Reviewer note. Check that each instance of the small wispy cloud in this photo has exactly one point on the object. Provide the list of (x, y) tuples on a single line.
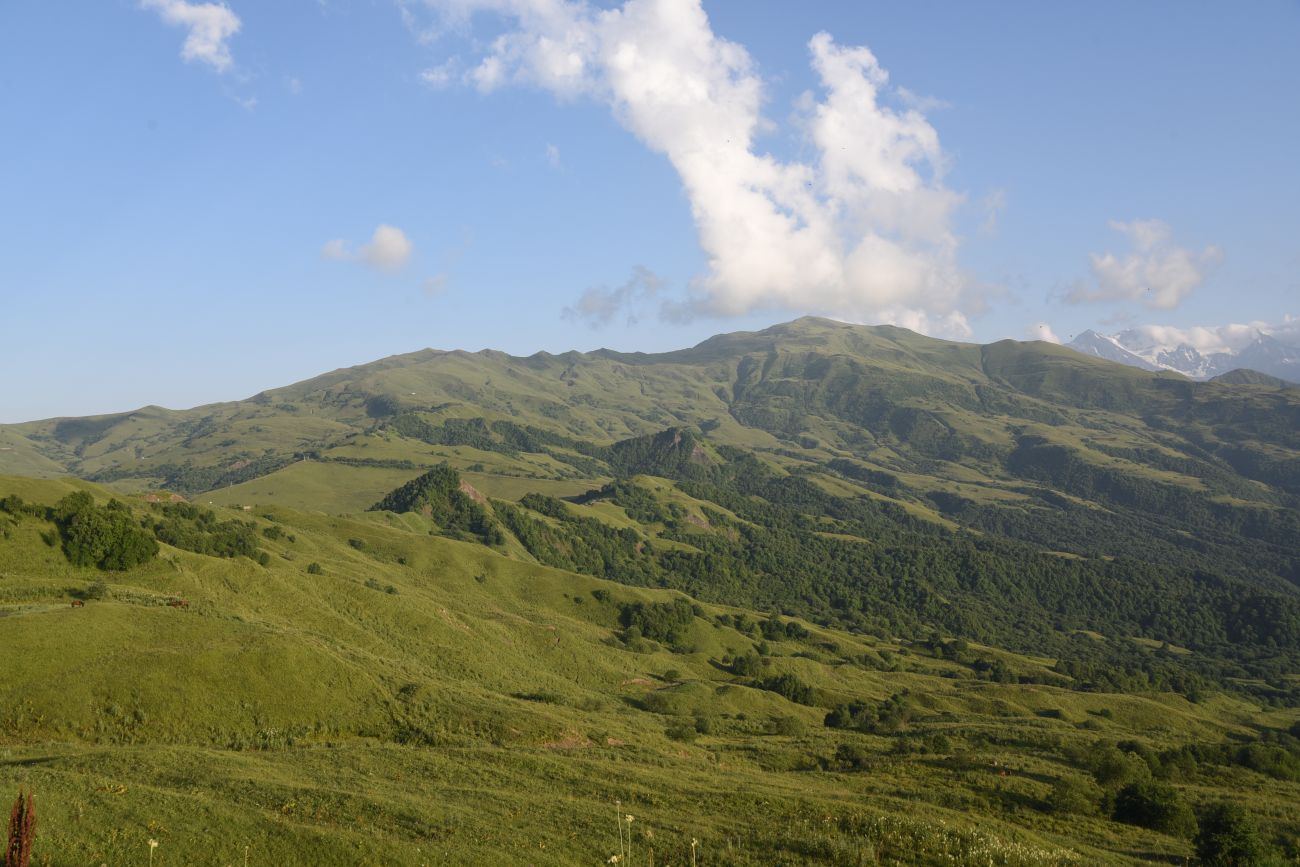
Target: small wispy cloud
[(442, 75), (435, 285), (1156, 273), (388, 250), (209, 27), (599, 305), (553, 157), (993, 205)]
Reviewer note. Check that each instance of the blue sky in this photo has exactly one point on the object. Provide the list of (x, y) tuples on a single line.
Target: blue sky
[(199, 201)]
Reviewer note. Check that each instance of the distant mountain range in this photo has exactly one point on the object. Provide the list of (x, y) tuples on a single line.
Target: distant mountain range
[(1266, 353)]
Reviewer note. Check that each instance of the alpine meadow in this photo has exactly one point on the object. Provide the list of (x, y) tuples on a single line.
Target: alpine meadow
[(820, 594), (849, 434)]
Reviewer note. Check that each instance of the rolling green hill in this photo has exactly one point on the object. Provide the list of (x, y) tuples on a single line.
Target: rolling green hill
[(818, 594)]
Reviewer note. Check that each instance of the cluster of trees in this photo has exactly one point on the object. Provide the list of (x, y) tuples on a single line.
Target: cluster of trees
[(112, 537), (183, 525), (789, 686), (190, 479), (859, 564), (1197, 589), (665, 622), (640, 504), (437, 495), (580, 544), (885, 717), (108, 537), (1129, 783)]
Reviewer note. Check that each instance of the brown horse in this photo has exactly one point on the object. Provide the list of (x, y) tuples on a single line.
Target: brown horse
[(77, 603)]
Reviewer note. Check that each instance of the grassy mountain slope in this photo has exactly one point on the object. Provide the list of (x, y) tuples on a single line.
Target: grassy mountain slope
[(372, 694), (974, 559)]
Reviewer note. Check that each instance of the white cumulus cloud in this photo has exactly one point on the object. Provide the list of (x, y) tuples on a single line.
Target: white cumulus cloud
[(388, 249), (862, 231), (1157, 273), (209, 26)]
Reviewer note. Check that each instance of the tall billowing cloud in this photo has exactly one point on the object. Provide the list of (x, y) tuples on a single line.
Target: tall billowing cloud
[(1157, 273), (862, 231), (388, 250), (210, 25)]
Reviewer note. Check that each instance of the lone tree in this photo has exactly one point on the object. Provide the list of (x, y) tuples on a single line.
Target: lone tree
[(1229, 838), (22, 831)]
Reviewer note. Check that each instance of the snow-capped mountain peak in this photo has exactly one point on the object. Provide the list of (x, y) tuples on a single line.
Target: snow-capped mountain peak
[(1160, 348)]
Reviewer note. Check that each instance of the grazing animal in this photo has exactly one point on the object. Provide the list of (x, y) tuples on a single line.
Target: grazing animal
[(77, 603)]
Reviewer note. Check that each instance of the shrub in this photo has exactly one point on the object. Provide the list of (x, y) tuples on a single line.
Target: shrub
[(852, 757), (789, 686), (788, 726), (97, 590), (682, 731), (1156, 806), (1113, 768), (747, 665), (1073, 795), (314, 569), (1228, 838)]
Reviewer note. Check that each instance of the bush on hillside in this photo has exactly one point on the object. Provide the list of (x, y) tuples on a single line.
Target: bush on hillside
[(1228, 838), (788, 686), (1157, 806), (1074, 795)]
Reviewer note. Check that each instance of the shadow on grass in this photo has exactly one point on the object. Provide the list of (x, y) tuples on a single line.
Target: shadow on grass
[(29, 762)]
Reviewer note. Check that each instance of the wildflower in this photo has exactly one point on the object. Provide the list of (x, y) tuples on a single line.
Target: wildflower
[(153, 844)]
